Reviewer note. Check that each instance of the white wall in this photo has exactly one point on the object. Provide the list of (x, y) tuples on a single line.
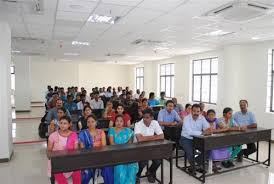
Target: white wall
[(45, 72), (22, 83), (242, 75), (5, 92), (94, 74)]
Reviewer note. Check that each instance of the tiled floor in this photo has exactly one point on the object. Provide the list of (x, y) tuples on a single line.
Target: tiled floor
[(29, 164)]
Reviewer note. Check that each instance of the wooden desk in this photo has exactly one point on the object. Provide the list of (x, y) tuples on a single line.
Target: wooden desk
[(66, 161), (215, 141)]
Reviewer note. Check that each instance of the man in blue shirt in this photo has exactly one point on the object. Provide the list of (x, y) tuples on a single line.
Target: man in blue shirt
[(246, 119), (70, 105), (194, 124), (170, 121)]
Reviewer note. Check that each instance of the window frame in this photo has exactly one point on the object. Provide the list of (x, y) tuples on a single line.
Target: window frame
[(170, 76), (272, 86), (137, 77), (201, 74)]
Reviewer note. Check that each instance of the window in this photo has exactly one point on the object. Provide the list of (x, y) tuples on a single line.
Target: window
[(12, 72), (204, 80), (167, 79), (139, 78), (270, 83)]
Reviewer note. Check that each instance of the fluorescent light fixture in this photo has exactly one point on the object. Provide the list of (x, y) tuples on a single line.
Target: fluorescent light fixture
[(218, 33), (255, 38), (103, 19), (80, 43), (71, 54), (15, 51)]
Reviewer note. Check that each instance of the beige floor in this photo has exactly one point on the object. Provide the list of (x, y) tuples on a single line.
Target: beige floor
[(29, 164)]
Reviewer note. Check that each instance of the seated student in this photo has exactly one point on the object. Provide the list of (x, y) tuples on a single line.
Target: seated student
[(108, 93), (128, 101), (123, 174), (77, 98), (64, 139), (152, 101), (194, 124), (109, 113), (227, 122), (148, 130), (221, 154), (82, 123), (53, 114), (136, 95), (186, 112), (247, 119), (162, 100), (177, 107), (80, 105), (120, 111), (52, 101), (203, 112), (93, 137), (97, 103), (55, 123), (70, 105), (143, 106)]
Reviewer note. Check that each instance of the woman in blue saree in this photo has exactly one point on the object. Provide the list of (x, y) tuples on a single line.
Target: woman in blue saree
[(89, 138), (123, 174)]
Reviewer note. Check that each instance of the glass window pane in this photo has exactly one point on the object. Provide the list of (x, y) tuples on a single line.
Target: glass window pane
[(141, 71), (137, 83), (12, 69), (168, 85), (172, 86), (214, 88), (196, 88), (13, 81), (137, 72), (168, 69), (197, 67), (162, 84), (214, 65), (172, 69), (205, 88), (206, 66), (142, 84), (162, 69)]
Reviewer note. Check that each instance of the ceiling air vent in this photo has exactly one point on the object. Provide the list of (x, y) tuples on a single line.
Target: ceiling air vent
[(240, 11)]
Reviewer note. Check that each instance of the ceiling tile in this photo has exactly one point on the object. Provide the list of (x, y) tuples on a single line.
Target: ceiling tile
[(72, 16), (76, 6), (123, 2), (111, 10)]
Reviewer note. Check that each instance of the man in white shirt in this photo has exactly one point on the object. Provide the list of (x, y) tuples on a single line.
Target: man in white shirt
[(137, 95), (80, 105), (97, 103), (148, 130)]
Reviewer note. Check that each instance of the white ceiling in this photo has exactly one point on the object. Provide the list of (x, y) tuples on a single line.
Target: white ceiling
[(178, 25)]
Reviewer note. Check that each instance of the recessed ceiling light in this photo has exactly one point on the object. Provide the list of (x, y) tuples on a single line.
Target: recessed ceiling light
[(218, 33), (103, 19), (80, 43), (15, 51), (71, 54), (255, 38)]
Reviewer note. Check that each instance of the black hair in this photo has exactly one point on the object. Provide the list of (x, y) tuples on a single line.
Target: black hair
[(151, 94), (96, 93), (196, 106), (243, 100), (187, 105), (162, 93), (92, 116), (69, 96), (148, 111), (119, 116), (62, 109), (66, 118), (82, 95), (226, 110), (210, 111), (87, 106), (169, 101), (144, 99)]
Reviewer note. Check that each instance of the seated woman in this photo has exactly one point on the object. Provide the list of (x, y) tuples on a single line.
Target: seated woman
[(126, 118), (123, 174), (186, 112), (143, 106), (82, 123), (152, 101), (218, 154), (54, 124), (109, 113), (227, 123), (64, 139), (93, 137)]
